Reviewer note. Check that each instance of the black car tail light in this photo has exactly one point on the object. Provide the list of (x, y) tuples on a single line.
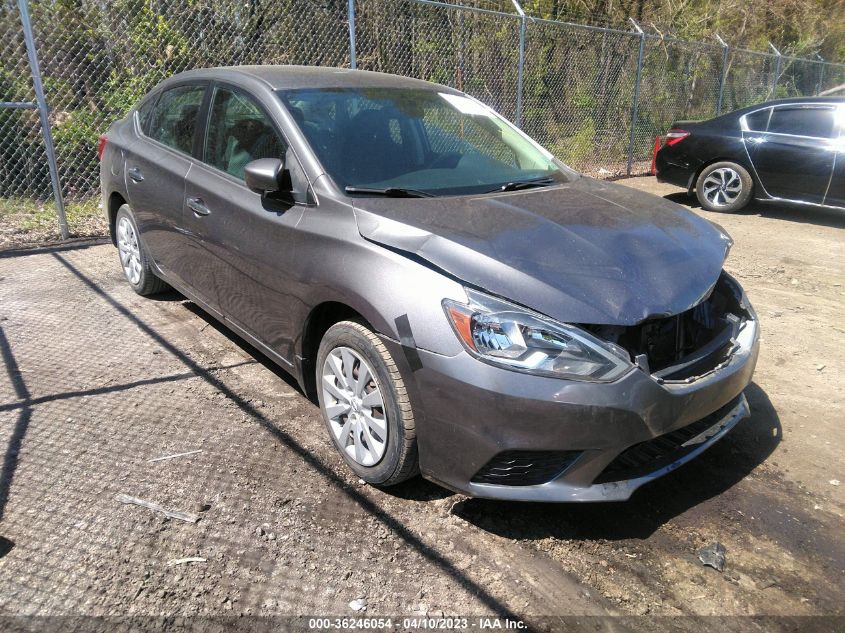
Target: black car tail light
[(676, 135), (101, 146)]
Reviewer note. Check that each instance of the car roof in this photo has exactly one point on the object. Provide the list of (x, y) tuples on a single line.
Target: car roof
[(791, 101), (279, 77)]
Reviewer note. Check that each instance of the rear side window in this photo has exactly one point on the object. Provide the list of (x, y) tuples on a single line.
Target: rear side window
[(239, 132), (174, 117), (817, 122), (145, 113), (757, 121)]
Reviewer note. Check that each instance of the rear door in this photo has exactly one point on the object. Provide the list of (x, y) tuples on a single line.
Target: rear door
[(155, 173), (248, 242), (793, 157)]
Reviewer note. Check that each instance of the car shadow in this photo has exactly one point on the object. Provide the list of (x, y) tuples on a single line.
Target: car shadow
[(236, 339), (6, 546), (715, 471), (803, 214), (418, 489), (169, 296)]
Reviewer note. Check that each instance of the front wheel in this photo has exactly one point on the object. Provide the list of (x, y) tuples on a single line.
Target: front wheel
[(365, 405), (724, 186)]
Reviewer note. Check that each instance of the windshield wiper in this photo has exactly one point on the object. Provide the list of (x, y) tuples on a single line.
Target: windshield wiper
[(390, 192), (524, 184)]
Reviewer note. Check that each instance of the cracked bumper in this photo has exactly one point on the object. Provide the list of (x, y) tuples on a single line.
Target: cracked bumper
[(473, 412)]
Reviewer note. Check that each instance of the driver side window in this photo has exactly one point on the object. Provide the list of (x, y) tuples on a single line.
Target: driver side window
[(238, 132)]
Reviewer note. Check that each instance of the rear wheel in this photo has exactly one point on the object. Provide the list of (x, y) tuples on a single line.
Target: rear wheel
[(133, 258), (724, 186), (365, 405)]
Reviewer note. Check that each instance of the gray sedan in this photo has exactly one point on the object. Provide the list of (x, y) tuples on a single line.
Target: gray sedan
[(460, 303)]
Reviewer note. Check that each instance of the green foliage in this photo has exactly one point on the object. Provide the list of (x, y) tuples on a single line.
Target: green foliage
[(99, 58)]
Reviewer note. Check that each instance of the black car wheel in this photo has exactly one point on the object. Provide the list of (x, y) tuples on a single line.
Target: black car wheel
[(724, 186), (133, 257), (365, 405)]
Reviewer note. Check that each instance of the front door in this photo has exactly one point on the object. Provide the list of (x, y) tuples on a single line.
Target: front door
[(793, 158), (248, 242)]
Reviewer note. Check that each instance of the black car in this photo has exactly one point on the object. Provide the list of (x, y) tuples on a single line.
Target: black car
[(792, 150)]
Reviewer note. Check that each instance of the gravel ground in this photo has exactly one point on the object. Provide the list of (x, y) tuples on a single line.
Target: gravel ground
[(100, 381)]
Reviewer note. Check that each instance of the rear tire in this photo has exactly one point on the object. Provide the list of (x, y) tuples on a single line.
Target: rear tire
[(133, 258), (724, 186), (379, 443)]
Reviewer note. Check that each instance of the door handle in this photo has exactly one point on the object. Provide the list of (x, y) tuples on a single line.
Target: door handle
[(197, 206), (135, 174)]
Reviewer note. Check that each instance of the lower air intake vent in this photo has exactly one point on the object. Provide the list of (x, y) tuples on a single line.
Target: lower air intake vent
[(646, 457), (525, 468)]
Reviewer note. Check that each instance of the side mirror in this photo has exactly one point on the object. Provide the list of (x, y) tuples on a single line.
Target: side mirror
[(264, 175)]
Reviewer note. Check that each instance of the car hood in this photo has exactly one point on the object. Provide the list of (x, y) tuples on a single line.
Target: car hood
[(584, 252)]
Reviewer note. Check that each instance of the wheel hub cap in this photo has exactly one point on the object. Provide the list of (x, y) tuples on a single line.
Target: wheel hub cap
[(129, 249), (354, 406), (722, 186)]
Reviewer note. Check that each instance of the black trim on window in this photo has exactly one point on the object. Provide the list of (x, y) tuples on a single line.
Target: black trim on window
[(201, 126), (152, 100)]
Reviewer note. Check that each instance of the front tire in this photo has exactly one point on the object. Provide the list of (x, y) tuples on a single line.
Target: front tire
[(133, 258), (724, 186), (365, 405)]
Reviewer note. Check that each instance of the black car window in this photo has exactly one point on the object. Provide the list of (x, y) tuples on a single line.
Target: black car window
[(238, 133), (174, 117), (757, 121), (817, 122)]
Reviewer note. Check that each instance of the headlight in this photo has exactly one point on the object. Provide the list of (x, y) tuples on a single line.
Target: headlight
[(508, 335)]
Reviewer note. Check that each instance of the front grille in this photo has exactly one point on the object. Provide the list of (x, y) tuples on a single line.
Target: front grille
[(654, 454), (525, 468)]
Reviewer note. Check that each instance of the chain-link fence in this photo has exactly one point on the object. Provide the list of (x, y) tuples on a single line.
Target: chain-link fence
[(596, 97), (23, 164)]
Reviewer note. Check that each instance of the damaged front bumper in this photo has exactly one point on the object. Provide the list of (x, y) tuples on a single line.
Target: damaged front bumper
[(490, 432)]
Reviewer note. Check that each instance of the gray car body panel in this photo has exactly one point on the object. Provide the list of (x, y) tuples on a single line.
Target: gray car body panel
[(583, 252)]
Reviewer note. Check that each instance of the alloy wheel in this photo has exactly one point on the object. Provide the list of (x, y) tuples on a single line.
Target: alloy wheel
[(354, 406), (130, 250), (722, 187)]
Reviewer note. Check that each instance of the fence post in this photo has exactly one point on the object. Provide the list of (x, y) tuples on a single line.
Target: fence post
[(723, 77), (635, 106), (777, 68), (821, 73), (43, 112), (520, 71), (350, 12)]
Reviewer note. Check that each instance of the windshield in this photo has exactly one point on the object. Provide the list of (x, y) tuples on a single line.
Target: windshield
[(400, 139)]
